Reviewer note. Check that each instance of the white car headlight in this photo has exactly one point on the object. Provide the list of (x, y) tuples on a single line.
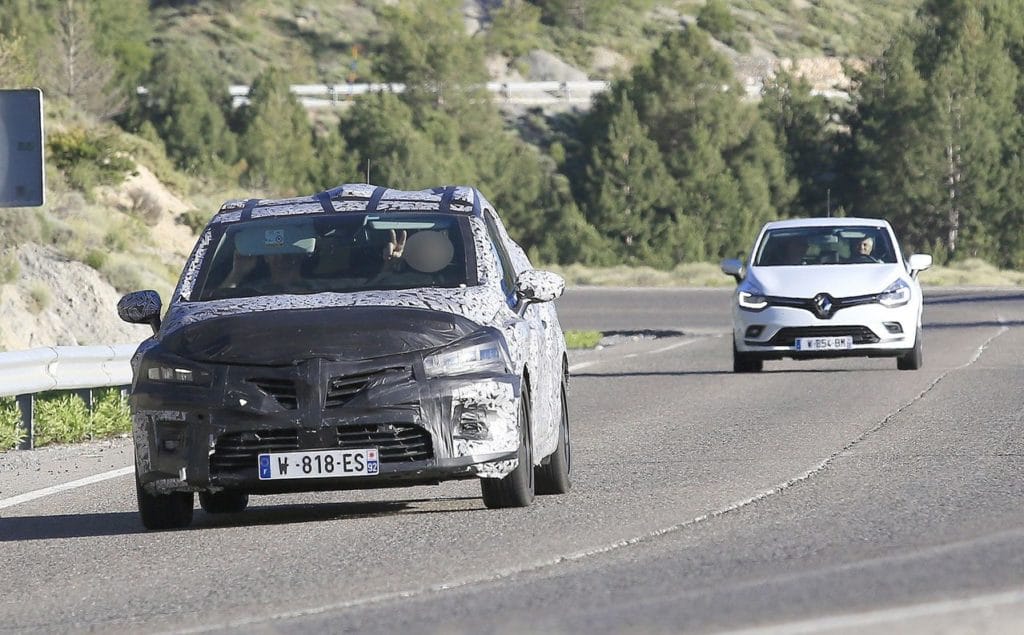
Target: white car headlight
[(752, 299), (480, 357), (896, 294)]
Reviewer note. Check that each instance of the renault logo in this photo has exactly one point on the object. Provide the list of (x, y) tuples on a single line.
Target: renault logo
[(823, 305)]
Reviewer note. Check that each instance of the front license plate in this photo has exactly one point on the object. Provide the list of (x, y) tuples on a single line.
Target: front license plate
[(824, 343), (319, 464)]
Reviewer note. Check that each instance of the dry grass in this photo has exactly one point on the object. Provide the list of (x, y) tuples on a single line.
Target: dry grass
[(699, 274), (969, 273)]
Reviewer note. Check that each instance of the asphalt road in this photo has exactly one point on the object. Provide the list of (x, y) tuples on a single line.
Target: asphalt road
[(824, 496)]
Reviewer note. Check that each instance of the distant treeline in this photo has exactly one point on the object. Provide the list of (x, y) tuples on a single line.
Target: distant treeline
[(673, 164)]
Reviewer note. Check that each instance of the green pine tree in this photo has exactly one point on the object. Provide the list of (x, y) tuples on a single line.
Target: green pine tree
[(277, 138), (628, 190)]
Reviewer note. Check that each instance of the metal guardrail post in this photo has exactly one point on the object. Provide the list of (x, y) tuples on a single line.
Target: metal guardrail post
[(26, 403), (85, 394)]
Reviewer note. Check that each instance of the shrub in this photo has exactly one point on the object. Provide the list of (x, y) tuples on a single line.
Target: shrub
[(39, 297), (716, 18), (61, 419), (145, 206), (194, 220), (88, 159), (10, 268), (96, 259), (111, 415), (11, 433), (123, 276)]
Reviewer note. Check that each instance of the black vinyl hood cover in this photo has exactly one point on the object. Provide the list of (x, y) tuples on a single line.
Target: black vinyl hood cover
[(338, 333)]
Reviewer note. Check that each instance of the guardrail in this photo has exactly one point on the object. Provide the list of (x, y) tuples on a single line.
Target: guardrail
[(525, 93), (521, 93), (23, 374)]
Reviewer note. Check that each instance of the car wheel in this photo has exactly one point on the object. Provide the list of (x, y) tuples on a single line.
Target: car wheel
[(915, 358), (164, 511), (553, 478), (516, 489), (227, 502), (744, 363)]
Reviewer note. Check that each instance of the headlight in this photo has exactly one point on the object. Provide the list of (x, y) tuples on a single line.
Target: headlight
[(174, 374), (896, 294), (752, 299), (467, 358)]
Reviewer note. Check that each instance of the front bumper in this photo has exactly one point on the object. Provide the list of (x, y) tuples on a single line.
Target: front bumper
[(190, 438), (877, 331)]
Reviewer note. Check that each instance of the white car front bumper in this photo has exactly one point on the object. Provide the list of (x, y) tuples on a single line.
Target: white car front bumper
[(876, 330)]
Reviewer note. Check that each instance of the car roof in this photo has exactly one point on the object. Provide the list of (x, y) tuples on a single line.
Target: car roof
[(826, 222), (360, 198)]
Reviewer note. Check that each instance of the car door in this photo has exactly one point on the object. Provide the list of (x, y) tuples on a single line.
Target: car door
[(538, 325)]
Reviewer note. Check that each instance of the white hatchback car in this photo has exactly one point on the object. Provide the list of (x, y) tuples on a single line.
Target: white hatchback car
[(826, 287)]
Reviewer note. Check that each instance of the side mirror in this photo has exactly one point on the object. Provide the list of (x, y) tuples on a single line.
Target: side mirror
[(734, 268), (141, 307), (918, 263), (539, 286)]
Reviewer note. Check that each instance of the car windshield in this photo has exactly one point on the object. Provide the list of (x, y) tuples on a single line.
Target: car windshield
[(342, 253), (832, 245)]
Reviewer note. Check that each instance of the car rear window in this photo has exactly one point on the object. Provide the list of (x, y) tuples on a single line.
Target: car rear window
[(340, 253), (832, 245)]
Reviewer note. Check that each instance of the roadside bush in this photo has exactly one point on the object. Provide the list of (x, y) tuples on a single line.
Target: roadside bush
[(64, 418), (61, 419), (111, 415), (194, 220), (39, 297), (96, 259), (145, 206), (9, 267), (123, 276), (88, 159), (10, 424)]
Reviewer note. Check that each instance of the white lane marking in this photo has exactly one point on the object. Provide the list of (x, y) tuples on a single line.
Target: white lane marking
[(664, 349), (582, 365), (511, 572), (63, 487), (889, 616)]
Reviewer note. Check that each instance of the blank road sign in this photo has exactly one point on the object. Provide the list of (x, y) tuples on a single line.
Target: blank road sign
[(21, 148)]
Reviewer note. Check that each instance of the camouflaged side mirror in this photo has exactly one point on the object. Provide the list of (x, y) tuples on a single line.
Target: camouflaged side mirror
[(141, 307)]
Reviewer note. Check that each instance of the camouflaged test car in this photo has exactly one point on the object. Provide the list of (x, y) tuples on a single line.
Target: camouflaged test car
[(362, 337)]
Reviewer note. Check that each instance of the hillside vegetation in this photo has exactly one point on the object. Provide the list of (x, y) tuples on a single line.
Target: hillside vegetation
[(673, 165)]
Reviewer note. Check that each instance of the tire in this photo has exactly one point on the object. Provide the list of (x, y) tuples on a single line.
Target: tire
[(744, 363), (164, 511), (227, 502), (553, 478), (516, 489), (915, 358)]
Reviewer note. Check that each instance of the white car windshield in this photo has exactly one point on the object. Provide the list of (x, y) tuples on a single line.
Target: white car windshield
[(342, 253), (831, 245)]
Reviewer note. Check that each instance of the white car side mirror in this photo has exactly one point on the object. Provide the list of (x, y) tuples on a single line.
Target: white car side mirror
[(918, 262), (734, 268)]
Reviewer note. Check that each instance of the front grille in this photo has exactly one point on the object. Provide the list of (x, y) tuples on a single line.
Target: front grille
[(283, 390), (834, 304), (787, 336), (398, 443), (340, 390), (239, 450)]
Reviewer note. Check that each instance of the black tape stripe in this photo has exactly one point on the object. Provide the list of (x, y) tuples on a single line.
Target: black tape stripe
[(371, 205), (249, 206)]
